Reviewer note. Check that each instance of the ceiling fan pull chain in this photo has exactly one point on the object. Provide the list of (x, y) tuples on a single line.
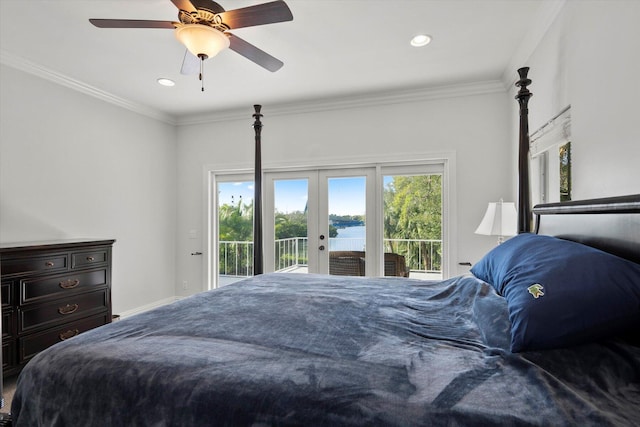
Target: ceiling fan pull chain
[(202, 73)]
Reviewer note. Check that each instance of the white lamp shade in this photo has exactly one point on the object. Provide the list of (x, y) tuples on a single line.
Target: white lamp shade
[(500, 219), (201, 39)]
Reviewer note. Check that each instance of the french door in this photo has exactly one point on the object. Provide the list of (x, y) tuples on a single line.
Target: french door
[(310, 213), (373, 221), (347, 221), (232, 229)]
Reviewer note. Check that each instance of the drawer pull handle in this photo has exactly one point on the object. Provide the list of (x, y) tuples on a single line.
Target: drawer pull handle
[(69, 284), (68, 309), (68, 334), (90, 259), (49, 264)]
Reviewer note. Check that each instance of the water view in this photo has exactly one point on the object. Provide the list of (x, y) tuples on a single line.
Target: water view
[(411, 213), (349, 239)]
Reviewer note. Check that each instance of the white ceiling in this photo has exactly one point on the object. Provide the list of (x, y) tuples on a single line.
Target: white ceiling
[(332, 48)]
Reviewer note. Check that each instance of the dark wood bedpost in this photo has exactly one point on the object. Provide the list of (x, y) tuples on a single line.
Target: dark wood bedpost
[(524, 192), (257, 200)]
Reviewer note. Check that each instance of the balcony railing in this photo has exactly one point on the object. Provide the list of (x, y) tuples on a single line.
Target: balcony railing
[(420, 255), (236, 257), (291, 252)]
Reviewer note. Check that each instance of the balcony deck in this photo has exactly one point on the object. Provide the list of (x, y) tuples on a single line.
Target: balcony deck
[(421, 275), (235, 257)]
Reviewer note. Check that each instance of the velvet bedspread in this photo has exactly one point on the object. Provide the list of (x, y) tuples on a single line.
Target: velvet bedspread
[(294, 349)]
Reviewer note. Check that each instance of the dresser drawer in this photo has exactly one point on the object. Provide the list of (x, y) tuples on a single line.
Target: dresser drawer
[(7, 324), (35, 290), (30, 345), (62, 310), (7, 294), (34, 265), (8, 353), (89, 258)]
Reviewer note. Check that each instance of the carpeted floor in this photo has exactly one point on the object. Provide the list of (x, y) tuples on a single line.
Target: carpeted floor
[(8, 387)]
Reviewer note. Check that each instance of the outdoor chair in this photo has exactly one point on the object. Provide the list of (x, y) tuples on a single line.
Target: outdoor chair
[(395, 265), (351, 263), (346, 263)]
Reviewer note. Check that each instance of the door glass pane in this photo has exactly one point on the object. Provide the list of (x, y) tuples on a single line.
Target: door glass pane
[(347, 225), (290, 225), (413, 225), (235, 231)]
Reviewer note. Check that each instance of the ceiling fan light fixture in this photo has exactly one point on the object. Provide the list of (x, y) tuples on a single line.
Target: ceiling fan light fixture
[(201, 39)]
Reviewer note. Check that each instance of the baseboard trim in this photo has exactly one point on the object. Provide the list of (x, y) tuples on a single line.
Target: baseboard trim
[(148, 307)]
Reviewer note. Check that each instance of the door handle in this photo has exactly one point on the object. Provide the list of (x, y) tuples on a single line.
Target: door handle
[(321, 247)]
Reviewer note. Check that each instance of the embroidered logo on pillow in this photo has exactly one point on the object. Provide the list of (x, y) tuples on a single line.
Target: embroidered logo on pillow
[(536, 290)]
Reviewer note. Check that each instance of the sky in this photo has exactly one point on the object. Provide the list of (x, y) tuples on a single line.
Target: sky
[(346, 195), (230, 192)]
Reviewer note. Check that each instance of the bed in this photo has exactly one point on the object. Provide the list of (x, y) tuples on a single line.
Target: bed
[(544, 332)]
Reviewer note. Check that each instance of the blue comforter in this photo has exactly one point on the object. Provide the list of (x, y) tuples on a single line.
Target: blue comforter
[(293, 349)]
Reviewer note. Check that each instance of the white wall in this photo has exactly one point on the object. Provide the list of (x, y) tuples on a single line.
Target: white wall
[(589, 58), (477, 128), (73, 166)]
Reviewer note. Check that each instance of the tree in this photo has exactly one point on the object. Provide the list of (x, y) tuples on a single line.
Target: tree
[(289, 225), (294, 224), (565, 172), (235, 224), (413, 210)]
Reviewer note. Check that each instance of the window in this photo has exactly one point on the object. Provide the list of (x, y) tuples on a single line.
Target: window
[(551, 152), (565, 172)]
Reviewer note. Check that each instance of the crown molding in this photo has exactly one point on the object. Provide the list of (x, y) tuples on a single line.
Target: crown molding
[(546, 16), (356, 101), (14, 61), (390, 97)]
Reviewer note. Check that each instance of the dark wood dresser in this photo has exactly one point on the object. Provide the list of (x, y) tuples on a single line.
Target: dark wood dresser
[(51, 291)]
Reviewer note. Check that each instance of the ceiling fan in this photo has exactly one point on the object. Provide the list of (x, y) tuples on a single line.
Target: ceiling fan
[(204, 30)]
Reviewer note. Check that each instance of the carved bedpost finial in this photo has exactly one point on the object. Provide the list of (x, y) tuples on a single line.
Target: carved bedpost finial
[(524, 192), (257, 125), (523, 94), (522, 72)]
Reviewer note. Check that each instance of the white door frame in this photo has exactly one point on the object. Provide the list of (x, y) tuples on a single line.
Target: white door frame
[(418, 169), (211, 252), (449, 205), (268, 224), (370, 213)]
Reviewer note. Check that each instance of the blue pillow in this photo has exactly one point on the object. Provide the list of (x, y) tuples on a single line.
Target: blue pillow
[(561, 293)]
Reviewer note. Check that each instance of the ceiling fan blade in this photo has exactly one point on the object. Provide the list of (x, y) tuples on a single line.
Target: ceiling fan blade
[(267, 13), (209, 5), (130, 23), (254, 54), (185, 5), (190, 63)]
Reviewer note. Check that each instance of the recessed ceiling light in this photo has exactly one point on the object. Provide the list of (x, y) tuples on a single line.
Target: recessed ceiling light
[(420, 40), (166, 82)]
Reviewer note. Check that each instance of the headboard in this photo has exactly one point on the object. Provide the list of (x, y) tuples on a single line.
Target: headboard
[(611, 224)]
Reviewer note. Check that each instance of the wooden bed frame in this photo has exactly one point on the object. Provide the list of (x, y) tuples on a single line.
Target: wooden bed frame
[(611, 224), (618, 234)]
